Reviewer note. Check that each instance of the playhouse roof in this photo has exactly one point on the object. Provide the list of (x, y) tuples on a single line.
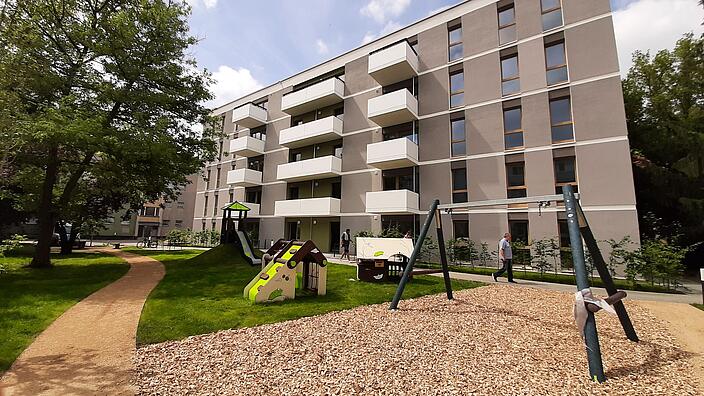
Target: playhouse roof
[(238, 206)]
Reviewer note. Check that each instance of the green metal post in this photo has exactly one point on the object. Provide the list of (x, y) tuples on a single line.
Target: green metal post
[(591, 337), (416, 250), (443, 255)]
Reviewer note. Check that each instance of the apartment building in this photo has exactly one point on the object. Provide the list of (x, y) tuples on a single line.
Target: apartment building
[(486, 100)]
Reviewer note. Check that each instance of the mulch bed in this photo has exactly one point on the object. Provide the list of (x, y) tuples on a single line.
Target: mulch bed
[(494, 340)]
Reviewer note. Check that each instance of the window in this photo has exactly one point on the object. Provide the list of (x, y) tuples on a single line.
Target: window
[(455, 38), (510, 80), (556, 63), (149, 212), (337, 190), (564, 173), (253, 195), (220, 151), (459, 185), (513, 130), (561, 120), (515, 180), (457, 88), (552, 14), (293, 192), (458, 137), (233, 165), (165, 223), (507, 25), (256, 163), (337, 150), (212, 225), (408, 130), (460, 228), (519, 230), (179, 223), (295, 157), (205, 206), (564, 232), (180, 205), (207, 180), (232, 196), (215, 205), (400, 179), (258, 133), (217, 179)]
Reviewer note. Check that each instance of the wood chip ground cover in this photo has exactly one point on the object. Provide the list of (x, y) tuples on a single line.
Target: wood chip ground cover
[(494, 340)]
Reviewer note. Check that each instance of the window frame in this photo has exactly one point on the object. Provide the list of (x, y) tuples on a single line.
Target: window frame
[(513, 131), (512, 78), (574, 183), (511, 6), (543, 12), (451, 44), (562, 123), (456, 92), (548, 69), (463, 140), (522, 187), (465, 190)]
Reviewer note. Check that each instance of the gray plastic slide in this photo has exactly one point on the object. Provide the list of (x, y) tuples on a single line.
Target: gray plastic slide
[(247, 248)]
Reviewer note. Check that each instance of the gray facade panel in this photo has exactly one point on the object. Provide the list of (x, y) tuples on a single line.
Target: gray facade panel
[(434, 138), (480, 30), (482, 79), (434, 87), (432, 47), (484, 127), (577, 10), (597, 108), (591, 50), (357, 78)]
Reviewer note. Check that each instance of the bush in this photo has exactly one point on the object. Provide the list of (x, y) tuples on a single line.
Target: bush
[(8, 245), (179, 236), (542, 251), (620, 253), (656, 260)]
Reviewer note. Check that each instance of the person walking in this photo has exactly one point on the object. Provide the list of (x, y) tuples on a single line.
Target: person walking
[(345, 243), (506, 257)]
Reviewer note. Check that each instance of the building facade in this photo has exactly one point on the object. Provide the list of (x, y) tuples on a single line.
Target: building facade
[(486, 100)]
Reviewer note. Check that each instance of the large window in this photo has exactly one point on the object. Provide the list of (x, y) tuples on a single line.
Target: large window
[(408, 130), (149, 211), (459, 185), (457, 88), (515, 180), (256, 163), (253, 195), (507, 24), (561, 119), (460, 228), (205, 207), (455, 39), (215, 205), (513, 129), (400, 179), (519, 230), (510, 79), (258, 133), (565, 173), (552, 14), (459, 140), (556, 62), (207, 179)]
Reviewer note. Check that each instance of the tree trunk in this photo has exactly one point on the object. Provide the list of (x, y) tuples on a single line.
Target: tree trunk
[(45, 213)]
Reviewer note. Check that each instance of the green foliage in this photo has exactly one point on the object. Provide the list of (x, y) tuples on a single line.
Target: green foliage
[(202, 293), (620, 253), (521, 253), (179, 236), (487, 256), (664, 99), (429, 250), (391, 232), (542, 252), (461, 250), (97, 104), (9, 245), (656, 260)]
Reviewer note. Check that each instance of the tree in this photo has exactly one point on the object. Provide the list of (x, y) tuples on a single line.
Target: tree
[(664, 98), (97, 103)]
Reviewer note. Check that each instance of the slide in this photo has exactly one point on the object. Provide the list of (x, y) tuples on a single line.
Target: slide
[(272, 284), (247, 249)]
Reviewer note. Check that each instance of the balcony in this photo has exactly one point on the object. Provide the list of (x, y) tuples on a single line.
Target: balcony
[(392, 154), (247, 146), (319, 131), (249, 116), (393, 64), (253, 209), (244, 178), (316, 168), (394, 108), (311, 207), (392, 202), (322, 94)]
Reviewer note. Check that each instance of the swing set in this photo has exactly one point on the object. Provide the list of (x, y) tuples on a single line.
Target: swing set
[(580, 234)]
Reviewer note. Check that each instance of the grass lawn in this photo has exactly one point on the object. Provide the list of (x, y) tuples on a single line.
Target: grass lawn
[(551, 277), (30, 299), (202, 293), (700, 306)]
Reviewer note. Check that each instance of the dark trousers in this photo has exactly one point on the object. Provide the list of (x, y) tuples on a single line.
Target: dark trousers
[(508, 268)]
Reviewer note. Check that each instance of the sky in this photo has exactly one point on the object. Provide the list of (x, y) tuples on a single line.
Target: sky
[(249, 44)]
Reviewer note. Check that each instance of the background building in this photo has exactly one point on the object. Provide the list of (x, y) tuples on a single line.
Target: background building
[(486, 100)]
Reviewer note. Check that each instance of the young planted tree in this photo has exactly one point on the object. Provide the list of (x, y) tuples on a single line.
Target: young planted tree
[(98, 99)]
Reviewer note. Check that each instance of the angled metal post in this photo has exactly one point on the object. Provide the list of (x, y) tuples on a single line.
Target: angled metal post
[(443, 255), (416, 250), (591, 337), (604, 274)]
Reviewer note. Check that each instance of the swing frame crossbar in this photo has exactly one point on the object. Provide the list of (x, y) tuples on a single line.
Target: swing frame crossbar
[(580, 235)]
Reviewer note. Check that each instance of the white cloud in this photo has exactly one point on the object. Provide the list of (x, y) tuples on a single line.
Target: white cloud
[(391, 26), (204, 3), (321, 46), (383, 10), (231, 84), (654, 25)]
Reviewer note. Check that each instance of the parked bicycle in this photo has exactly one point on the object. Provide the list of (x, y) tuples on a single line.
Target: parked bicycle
[(148, 243)]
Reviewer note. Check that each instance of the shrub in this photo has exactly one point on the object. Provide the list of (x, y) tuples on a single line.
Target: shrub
[(541, 255), (8, 245), (619, 253), (656, 260)]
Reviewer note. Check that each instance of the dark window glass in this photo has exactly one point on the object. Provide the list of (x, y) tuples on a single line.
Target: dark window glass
[(459, 179), (293, 193), (389, 183), (518, 230), (516, 193), (458, 137), (562, 133), (460, 228), (564, 170), (513, 140), (337, 190), (561, 119), (515, 174)]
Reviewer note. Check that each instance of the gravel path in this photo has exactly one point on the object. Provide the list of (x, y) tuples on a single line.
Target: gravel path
[(490, 341), (90, 348)]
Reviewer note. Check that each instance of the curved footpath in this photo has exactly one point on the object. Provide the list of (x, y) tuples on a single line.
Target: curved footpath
[(90, 348)]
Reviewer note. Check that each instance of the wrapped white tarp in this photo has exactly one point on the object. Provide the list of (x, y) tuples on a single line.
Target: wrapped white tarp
[(581, 299), (383, 248)]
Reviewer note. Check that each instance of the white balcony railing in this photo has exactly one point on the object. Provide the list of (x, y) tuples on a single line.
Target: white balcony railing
[(314, 132), (392, 202), (247, 146), (253, 209), (394, 108), (316, 168), (392, 154), (307, 207), (322, 94), (393, 64), (244, 177), (249, 115)]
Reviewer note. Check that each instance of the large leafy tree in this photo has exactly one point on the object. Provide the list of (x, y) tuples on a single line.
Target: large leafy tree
[(97, 100), (664, 97)]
